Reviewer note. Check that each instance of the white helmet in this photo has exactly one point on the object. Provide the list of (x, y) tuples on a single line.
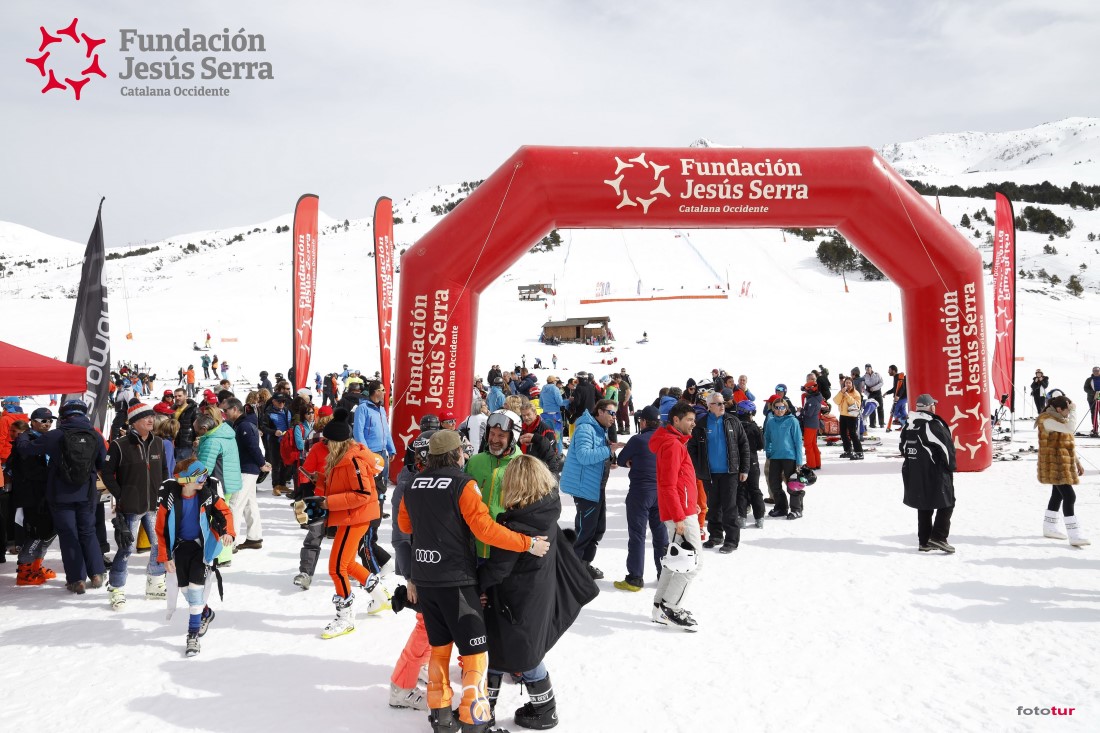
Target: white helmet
[(505, 420), (679, 557)]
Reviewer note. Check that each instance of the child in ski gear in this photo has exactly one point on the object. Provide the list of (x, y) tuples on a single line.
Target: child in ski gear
[(1060, 467), (928, 474), (193, 524)]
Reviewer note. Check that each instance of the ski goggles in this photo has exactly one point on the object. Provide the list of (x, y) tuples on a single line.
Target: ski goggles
[(196, 473), (501, 422)]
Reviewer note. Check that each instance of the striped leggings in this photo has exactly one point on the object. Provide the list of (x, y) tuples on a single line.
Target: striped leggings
[(342, 560)]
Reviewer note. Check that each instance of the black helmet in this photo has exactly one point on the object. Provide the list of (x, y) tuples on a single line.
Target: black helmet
[(355, 387), (806, 475), (430, 422), (498, 381), (263, 375), (278, 376), (419, 445)]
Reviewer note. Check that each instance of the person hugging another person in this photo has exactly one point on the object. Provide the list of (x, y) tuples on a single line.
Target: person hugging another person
[(530, 601)]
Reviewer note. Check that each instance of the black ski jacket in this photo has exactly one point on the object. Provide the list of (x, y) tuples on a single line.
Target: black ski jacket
[(929, 466), (532, 600)]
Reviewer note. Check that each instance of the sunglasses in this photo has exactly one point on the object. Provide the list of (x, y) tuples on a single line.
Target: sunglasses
[(46, 420), (716, 404), (610, 411), (779, 408)]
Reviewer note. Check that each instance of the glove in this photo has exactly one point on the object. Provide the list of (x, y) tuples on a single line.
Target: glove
[(123, 536), (300, 513)]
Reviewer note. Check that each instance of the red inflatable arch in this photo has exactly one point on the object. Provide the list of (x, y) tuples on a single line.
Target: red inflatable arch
[(852, 189)]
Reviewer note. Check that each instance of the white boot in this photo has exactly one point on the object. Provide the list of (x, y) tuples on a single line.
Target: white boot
[(117, 596), (1052, 526), (155, 588), (1074, 531), (414, 699), (344, 623)]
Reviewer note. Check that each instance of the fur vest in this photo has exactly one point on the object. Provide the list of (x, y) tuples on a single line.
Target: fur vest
[(1057, 456)]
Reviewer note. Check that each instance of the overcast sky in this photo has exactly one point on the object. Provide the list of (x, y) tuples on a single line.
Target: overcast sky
[(373, 99)]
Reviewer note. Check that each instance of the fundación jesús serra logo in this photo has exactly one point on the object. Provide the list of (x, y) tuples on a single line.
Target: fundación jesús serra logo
[(70, 78), (644, 178)]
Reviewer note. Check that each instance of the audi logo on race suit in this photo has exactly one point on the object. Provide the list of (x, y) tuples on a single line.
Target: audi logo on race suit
[(477, 641), (431, 483), (430, 557)]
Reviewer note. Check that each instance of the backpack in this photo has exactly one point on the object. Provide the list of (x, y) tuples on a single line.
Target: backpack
[(79, 449), (288, 451)]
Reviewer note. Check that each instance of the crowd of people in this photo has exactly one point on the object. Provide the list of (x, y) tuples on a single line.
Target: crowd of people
[(476, 506)]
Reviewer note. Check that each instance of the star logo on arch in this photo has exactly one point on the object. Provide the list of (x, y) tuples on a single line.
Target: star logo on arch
[(62, 36), (647, 188)]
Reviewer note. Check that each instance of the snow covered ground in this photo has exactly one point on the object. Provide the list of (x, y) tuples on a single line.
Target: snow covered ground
[(830, 623)]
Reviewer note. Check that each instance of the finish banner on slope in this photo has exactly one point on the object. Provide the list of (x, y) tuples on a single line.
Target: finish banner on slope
[(304, 289), (90, 339), (383, 270), (1004, 302)]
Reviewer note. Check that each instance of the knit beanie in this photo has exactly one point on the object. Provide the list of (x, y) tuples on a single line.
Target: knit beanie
[(338, 430)]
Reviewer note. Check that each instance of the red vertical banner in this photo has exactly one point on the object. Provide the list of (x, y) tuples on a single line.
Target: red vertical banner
[(383, 270), (304, 289), (1004, 303)]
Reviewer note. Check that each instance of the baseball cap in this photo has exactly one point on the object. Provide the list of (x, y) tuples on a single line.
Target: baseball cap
[(444, 441), (649, 413), (780, 388), (447, 415), (167, 393), (42, 413), (925, 400), (305, 392)]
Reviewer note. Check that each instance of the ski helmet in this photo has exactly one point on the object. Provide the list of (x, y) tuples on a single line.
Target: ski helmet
[(746, 407), (505, 420), (807, 476), (794, 484), (430, 422), (679, 557), (420, 445), (314, 510)]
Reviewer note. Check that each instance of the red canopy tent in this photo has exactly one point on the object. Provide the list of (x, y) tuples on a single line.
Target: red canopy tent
[(24, 372)]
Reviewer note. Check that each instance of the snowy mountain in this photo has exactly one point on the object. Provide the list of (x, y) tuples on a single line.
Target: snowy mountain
[(1061, 152)]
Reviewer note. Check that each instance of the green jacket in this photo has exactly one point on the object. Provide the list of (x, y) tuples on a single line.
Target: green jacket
[(218, 452), (488, 471)]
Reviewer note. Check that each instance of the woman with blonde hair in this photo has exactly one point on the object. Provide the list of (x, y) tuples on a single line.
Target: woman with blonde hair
[(530, 601), (346, 485), (1060, 467)]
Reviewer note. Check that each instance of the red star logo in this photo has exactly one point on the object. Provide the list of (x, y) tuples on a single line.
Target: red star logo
[(69, 32)]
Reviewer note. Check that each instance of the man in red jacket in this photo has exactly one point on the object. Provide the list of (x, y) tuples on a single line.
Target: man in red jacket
[(678, 504)]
